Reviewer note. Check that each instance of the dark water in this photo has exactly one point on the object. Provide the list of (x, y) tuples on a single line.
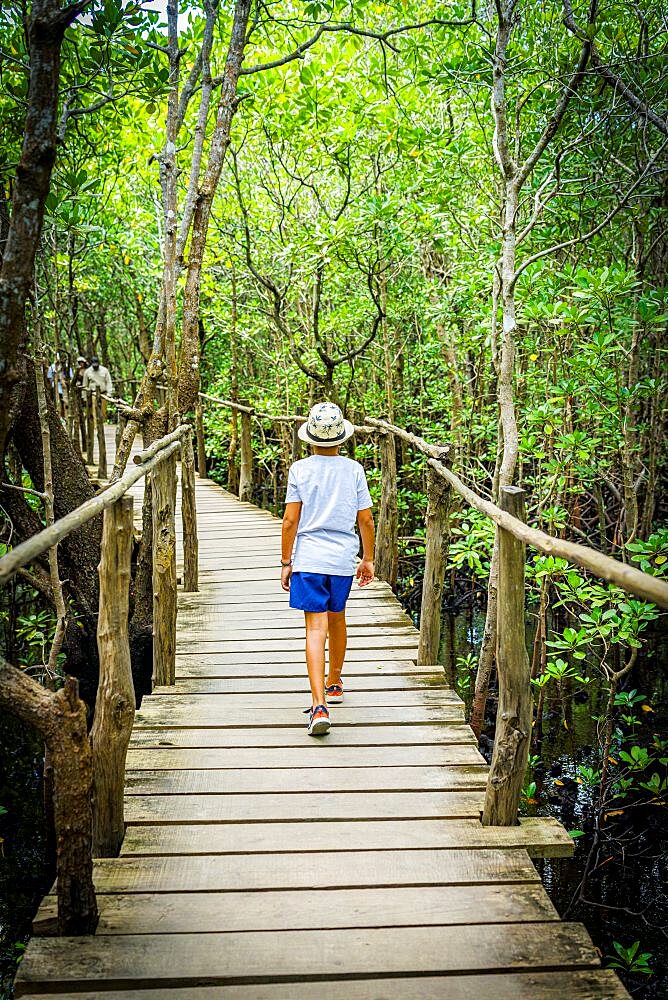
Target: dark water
[(26, 865)]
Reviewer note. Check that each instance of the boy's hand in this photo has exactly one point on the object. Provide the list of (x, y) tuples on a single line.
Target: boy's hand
[(286, 573), (365, 572)]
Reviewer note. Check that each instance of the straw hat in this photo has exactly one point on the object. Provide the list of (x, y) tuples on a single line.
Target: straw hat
[(326, 426)]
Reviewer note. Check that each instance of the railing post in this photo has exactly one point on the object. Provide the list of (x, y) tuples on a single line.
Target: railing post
[(515, 711), (387, 539), (115, 702), (438, 513), (163, 500), (296, 452), (90, 428), (199, 430), (189, 515), (246, 474), (101, 442)]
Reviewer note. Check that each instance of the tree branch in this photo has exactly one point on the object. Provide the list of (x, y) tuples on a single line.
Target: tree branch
[(383, 36), (568, 93), (612, 79), (592, 232)]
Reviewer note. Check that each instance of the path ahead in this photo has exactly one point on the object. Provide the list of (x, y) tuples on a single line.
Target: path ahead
[(261, 864)]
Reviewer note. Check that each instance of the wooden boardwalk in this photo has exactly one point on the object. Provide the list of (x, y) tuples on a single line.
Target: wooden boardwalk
[(261, 864)]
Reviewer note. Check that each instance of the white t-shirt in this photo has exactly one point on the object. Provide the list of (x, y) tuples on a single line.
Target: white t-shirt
[(332, 489)]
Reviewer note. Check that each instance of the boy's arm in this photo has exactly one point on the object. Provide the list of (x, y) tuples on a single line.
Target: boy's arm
[(365, 570), (288, 534)]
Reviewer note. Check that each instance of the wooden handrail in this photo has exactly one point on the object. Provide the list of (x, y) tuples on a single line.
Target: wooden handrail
[(43, 540), (280, 418), (176, 435), (433, 450), (649, 588)]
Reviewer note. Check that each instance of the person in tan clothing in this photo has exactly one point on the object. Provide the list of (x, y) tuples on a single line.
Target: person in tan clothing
[(97, 376)]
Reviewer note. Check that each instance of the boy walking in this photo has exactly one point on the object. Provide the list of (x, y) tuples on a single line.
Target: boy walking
[(327, 493)]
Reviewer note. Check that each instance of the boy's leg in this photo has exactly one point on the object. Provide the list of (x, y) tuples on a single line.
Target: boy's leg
[(338, 637), (316, 636)]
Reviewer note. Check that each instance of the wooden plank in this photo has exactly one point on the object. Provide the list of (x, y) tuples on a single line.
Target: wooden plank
[(145, 735), (594, 984), (207, 912), (257, 781), (359, 634), (216, 643), (271, 599), (291, 656), (541, 837), (278, 807), (189, 959), (167, 712), (244, 625), (378, 698), (261, 684), (189, 667), (259, 872), (312, 755), (218, 593), (219, 582)]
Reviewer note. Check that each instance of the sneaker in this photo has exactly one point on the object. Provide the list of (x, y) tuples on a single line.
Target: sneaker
[(334, 694), (318, 720)]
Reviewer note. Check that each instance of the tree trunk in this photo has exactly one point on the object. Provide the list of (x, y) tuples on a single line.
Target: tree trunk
[(201, 451), (163, 489), (45, 28), (387, 541), (438, 514), (115, 703), (246, 475), (60, 718), (227, 106), (513, 721), (189, 516), (101, 441), (79, 552)]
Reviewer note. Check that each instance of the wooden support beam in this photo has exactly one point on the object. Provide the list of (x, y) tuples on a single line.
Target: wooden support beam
[(201, 451), (438, 513), (163, 494), (101, 441), (189, 516), (115, 702), (246, 474), (515, 711), (387, 541)]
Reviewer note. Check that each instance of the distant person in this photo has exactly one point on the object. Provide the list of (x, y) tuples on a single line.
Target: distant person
[(82, 365), (327, 493), (98, 377)]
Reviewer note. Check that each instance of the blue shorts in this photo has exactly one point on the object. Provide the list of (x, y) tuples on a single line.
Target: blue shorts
[(319, 591)]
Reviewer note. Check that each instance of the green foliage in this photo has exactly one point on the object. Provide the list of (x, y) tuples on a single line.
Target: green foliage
[(630, 958)]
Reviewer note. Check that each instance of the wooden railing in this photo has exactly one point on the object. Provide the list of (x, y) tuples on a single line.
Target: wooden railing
[(515, 707), (89, 773)]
